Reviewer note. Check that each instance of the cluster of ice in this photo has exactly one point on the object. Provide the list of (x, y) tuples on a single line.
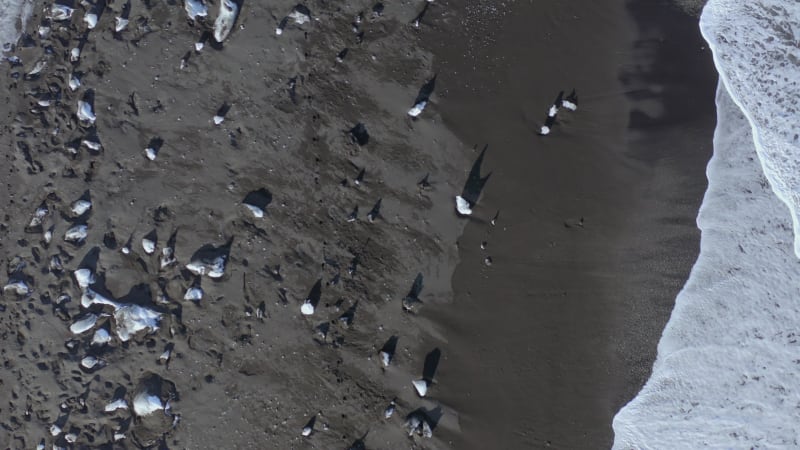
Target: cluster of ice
[(726, 374)]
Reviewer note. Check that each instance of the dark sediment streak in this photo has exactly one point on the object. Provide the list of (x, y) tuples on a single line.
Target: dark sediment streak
[(561, 331)]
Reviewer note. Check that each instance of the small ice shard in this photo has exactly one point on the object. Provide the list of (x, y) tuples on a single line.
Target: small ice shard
[(40, 446), (131, 319), (307, 431), (386, 358), (300, 15), (215, 269), (544, 131), (91, 362), (571, 102), (120, 24), (218, 120), (153, 147), (281, 26), (38, 216), (93, 145), (353, 215), (55, 430), (91, 19), (417, 422), (462, 206), (115, 405), (421, 386), (553, 111), (167, 257), (74, 82), (198, 46), (196, 267), (60, 12), (194, 294), (55, 264), (80, 207), (76, 234), (387, 413), (426, 429), (148, 246), (71, 437), (101, 337), (84, 277), (17, 287), (44, 31), (84, 324), (75, 54), (164, 358), (494, 219), (91, 297), (145, 404), (228, 10), (195, 9), (257, 201), (308, 308), (257, 212), (417, 109), (359, 134), (48, 235), (341, 55), (85, 113)]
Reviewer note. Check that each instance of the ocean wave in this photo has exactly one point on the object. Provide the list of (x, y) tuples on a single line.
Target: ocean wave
[(756, 50), (726, 374)]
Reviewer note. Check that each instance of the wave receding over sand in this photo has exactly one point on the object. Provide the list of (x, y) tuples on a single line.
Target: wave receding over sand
[(725, 376)]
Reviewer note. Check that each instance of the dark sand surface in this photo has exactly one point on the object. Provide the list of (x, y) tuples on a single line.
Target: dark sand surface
[(560, 331), (235, 378)]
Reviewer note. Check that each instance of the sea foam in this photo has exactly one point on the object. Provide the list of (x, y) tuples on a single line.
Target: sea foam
[(726, 375)]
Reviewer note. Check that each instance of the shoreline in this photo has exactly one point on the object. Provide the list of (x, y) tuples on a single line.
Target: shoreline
[(575, 312)]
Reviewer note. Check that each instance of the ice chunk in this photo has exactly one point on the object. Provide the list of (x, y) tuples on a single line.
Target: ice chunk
[(194, 294), (421, 386), (80, 207), (462, 206), (101, 337), (195, 9), (131, 319), (115, 405), (83, 324), (228, 10), (84, 277), (18, 287), (417, 109), (85, 112), (60, 12), (148, 246), (145, 404)]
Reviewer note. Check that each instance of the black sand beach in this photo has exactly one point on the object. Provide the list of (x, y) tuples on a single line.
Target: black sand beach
[(540, 348), (561, 330)]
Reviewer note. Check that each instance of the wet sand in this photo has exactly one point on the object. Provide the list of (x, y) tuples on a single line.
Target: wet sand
[(560, 331)]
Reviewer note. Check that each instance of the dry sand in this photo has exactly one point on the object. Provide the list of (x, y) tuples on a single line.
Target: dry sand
[(235, 379)]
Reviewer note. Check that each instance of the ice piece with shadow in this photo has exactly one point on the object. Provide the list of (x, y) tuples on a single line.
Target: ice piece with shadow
[(473, 187), (257, 202), (228, 12)]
